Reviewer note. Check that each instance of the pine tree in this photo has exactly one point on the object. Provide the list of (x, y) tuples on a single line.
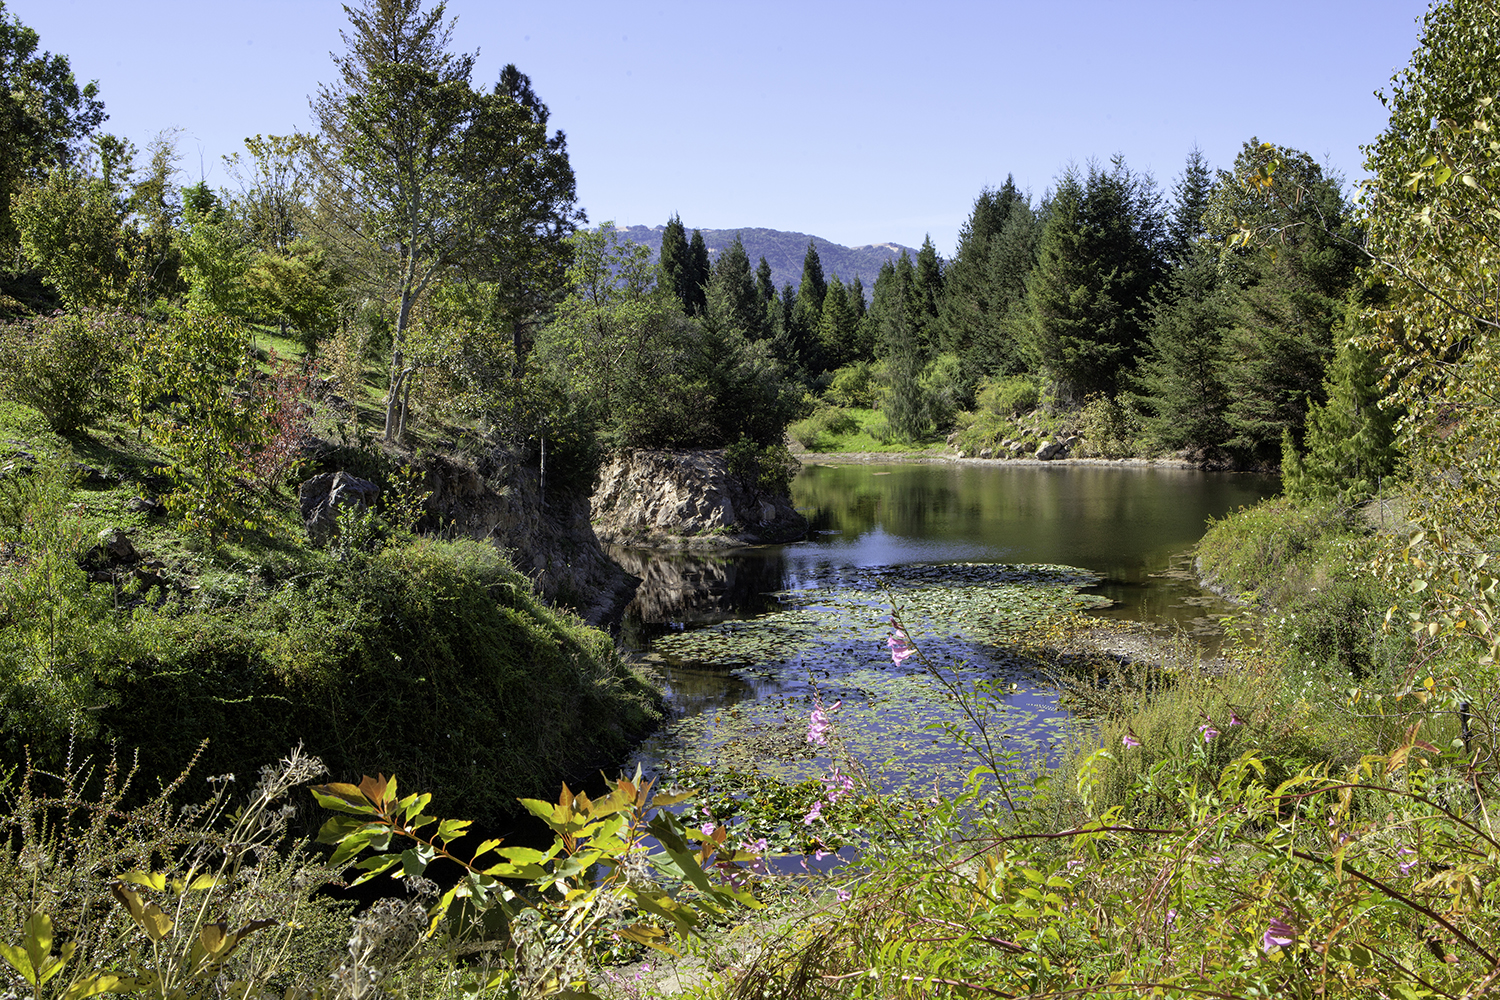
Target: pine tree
[(928, 289), (1180, 386), (1190, 198), (731, 294), (1098, 259), (700, 272), (971, 304), (765, 290), (838, 327), (676, 262), (1350, 446)]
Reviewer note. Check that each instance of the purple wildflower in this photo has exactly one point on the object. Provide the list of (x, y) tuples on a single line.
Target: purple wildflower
[(1130, 741), (1234, 718), (838, 785), (814, 814), (1208, 730), (901, 647), (708, 828), (818, 726), (1278, 934), (844, 895), (1406, 866)]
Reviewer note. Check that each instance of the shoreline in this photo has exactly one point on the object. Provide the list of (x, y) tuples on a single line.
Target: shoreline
[(934, 458)]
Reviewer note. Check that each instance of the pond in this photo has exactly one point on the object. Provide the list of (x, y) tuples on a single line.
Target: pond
[(971, 554)]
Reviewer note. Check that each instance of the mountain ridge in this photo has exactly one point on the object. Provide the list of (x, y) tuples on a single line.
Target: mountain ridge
[(785, 252)]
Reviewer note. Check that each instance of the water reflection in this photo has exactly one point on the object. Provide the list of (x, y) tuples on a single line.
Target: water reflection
[(1130, 525)]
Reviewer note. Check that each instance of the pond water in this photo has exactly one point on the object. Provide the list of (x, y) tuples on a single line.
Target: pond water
[(971, 554)]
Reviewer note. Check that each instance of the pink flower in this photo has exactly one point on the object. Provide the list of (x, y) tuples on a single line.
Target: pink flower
[(844, 895), (813, 814), (901, 647), (1406, 866), (838, 785), (1208, 730), (1130, 741), (708, 828), (1234, 718), (818, 726), (1278, 934)]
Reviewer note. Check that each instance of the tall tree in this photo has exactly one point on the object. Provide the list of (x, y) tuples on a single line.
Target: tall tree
[(45, 117), (1182, 386), (1292, 289), (838, 327), (1099, 257), (809, 312), (928, 290), (734, 303), (1190, 198), (700, 272), (675, 262), (423, 175)]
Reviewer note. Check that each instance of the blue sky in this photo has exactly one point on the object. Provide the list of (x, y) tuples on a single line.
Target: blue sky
[(860, 123)]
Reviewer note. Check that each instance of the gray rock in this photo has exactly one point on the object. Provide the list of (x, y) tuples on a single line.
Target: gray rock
[(986, 453), (687, 498), (321, 496), (1049, 449)]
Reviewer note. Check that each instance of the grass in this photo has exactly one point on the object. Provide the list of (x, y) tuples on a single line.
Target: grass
[(854, 430)]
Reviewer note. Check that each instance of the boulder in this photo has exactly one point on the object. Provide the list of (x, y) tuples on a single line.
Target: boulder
[(687, 498), (321, 496)]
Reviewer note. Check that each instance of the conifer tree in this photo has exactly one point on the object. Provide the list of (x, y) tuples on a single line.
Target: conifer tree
[(1181, 386), (1190, 197), (731, 292), (1350, 445), (928, 289), (676, 262), (700, 271), (838, 327), (1099, 257)]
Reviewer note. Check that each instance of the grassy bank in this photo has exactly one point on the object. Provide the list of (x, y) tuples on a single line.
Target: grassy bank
[(382, 651)]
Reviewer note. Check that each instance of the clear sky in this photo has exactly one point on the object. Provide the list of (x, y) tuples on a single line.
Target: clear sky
[(857, 122)]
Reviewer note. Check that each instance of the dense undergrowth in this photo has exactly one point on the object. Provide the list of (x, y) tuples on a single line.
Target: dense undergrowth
[(383, 650)]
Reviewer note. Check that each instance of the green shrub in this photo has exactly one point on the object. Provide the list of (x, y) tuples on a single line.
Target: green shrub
[(432, 658), (66, 366), (815, 433), (1008, 397), (854, 385), (1108, 429)]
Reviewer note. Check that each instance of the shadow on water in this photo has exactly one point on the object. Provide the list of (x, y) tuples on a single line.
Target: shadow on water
[(921, 525)]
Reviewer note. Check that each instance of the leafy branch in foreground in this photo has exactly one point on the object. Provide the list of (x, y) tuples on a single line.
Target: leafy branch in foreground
[(597, 882)]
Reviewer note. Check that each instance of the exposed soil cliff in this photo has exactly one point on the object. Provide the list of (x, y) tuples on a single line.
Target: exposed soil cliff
[(497, 497)]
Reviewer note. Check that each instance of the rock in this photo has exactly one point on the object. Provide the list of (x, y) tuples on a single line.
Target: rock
[(986, 453), (1049, 449), (113, 551), (321, 496), (145, 505), (687, 499)]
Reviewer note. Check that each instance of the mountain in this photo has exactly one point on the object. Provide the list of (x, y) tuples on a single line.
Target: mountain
[(784, 252)]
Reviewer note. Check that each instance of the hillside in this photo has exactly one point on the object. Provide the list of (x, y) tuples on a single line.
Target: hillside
[(785, 251)]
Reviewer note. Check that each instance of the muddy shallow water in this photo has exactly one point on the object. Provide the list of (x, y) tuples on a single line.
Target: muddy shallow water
[(749, 642)]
